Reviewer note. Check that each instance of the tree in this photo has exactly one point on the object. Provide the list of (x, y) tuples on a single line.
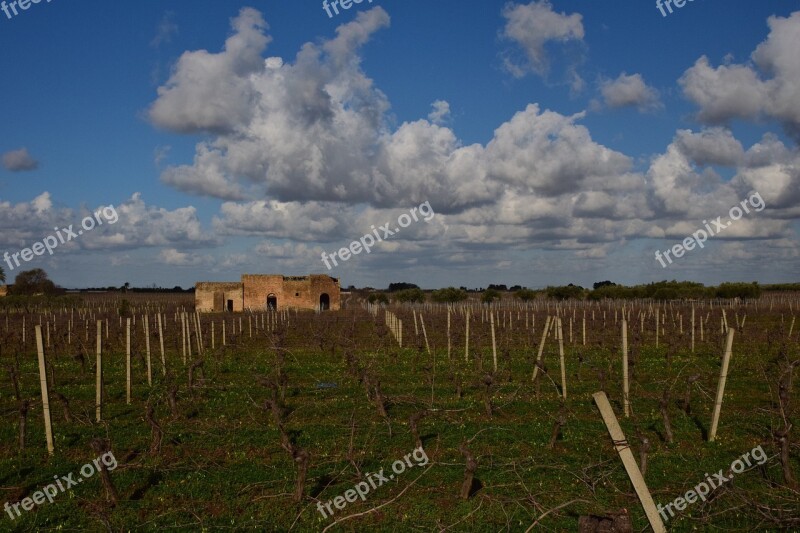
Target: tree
[(498, 287), (378, 297), (395, 287), (409, 295), (449, 295), (565, 293), (489, 295), (2, 275), (601, 284), (738, 290), (33, 282), (525, 294)]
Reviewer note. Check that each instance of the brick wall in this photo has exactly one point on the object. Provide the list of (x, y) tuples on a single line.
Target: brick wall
[(291, 292), (303, 292), (214, 296)]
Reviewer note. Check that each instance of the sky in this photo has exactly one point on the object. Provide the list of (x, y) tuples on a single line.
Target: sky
[(455, 142)]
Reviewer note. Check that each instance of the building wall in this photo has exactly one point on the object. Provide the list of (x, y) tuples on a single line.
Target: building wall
[(207, 294), (3, 290), (301, 292)]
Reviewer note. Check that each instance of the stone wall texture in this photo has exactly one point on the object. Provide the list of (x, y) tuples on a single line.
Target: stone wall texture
[(212, 296), (258, 291)]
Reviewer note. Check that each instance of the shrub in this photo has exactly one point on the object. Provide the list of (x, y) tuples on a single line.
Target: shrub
[(449, 295)]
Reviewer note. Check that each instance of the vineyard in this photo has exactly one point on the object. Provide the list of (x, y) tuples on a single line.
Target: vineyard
[(257, 420)]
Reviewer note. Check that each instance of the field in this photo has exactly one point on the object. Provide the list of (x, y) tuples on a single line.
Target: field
[(297, 408)]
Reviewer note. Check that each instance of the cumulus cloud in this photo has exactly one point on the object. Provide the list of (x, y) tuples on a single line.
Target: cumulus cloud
[(549, 153), (629, 91), (138, 225), (305, 222), (317, 131), (532, 26), (440, 113), (318, 160), (19, 161), (212, 92), (767, 87), (142, 225), (681, 192), (714, 146)]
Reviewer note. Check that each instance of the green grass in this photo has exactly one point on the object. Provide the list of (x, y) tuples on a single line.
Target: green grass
[(222, 467)]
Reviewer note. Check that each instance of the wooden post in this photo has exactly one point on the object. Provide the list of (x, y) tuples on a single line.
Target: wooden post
[(99, 374), (213, 342), (183, 338), (128, 360), (448, 333), (561, 357), (625, 384), (693, 329), (494, 345), (723, 376), (656, 327), (584, 328), (161, 342), (199, 334), (147, 349), (188, 329), (425, 334), (48, 423), (223, 332), (541, 348), (701, 329), (201, 346), (625, 454)]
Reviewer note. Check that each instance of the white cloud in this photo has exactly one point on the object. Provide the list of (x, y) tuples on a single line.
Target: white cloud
[(714, 146), (212, 92), (173, 257), (532, 26), (548, 153), (440, 113), (318, 160), (767, 87), (629, 91)]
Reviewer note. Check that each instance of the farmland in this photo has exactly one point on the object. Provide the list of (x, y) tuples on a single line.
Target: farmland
[(296, 408)]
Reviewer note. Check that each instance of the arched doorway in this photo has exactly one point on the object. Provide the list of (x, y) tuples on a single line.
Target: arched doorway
[(324, 302), (272, 302)]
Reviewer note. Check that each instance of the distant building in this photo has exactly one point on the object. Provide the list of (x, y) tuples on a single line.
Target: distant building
[(3, 290), (268, 291)]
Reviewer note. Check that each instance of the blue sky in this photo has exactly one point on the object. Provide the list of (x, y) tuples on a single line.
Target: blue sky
[(573, 139)]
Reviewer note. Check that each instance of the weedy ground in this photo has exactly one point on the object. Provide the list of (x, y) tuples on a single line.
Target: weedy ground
[(222, 467)]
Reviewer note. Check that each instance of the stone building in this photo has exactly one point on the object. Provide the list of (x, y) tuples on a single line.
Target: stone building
[(269, 291), (3, 290)]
